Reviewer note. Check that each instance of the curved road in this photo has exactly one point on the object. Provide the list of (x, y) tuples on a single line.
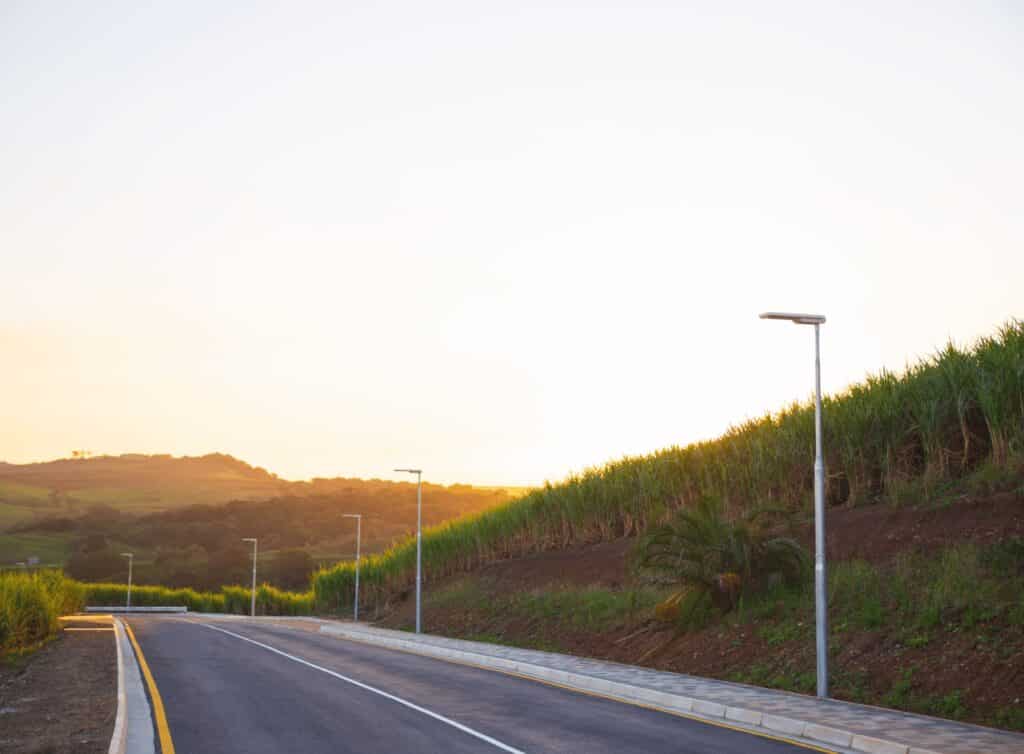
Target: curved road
[(247, 687)]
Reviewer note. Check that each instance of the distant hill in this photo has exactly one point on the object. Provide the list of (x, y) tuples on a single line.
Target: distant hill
[(184, 517), (131, 483)]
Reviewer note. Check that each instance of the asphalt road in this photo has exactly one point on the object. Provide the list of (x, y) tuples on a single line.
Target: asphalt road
[(261, 689)]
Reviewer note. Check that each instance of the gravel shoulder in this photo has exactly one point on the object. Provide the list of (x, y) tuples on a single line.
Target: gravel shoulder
[(62, 698)]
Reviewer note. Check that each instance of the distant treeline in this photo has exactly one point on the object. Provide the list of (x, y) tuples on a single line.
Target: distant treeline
[(892, 437), (201, 546)]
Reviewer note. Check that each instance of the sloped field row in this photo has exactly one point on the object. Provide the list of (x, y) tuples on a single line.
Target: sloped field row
[(885, 438)]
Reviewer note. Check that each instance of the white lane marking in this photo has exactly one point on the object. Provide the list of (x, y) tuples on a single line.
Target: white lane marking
[(386, 695)]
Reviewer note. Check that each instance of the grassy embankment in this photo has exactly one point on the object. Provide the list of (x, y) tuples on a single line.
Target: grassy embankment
[(935, 631), (890, 438), (30, 604)]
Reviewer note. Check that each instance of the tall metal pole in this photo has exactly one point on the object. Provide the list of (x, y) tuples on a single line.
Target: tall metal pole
[(820, 582), (252, 609), (419, 546), (255, 550), (820, 594), (359, 535), (128, 605)]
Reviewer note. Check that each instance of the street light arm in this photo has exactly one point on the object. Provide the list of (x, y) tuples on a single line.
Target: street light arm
[(798, 319)]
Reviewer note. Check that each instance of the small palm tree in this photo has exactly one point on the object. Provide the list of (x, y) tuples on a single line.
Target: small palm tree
[(715, 560)]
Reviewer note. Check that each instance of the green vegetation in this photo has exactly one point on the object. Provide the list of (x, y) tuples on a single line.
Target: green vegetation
[(954, 589), (944, 417), (200, 546), (593, 609), (230, 599), (715, 561), (50, 548), (912, 602), (30, 604), (590, 608)]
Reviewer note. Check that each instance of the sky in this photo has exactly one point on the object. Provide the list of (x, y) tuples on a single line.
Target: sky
[(499, 241)]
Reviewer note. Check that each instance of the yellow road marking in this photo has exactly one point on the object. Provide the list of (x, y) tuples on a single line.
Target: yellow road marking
[(72, 628), (159, 716), (94, 618), (667, 711)]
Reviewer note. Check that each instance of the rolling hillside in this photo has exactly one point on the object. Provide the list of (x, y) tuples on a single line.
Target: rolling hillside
[(184, 517), (131, 483)]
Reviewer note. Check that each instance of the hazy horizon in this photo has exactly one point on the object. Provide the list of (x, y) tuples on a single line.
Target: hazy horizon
[(501, 243)]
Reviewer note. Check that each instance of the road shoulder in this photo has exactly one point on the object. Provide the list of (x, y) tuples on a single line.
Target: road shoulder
[(62, 698)]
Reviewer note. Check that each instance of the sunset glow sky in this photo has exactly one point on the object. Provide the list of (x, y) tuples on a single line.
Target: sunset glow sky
[(500, 241)]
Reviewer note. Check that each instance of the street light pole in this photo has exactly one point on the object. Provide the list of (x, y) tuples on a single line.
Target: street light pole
[(359, 527), (419, 539), (820, 583), (131, 557), (254, 548)]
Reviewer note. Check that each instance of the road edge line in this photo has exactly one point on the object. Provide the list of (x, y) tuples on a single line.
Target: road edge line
[(577, 682), (156, 702), (374, 690), (120, 736)]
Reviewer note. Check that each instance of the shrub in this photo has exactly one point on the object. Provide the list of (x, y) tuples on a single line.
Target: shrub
[(30, 605), (717, 560)]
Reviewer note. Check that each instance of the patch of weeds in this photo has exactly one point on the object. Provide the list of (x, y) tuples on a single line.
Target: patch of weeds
[(951, 705), (871, 614), (918, 640), (857, 587), (780, 633), (805, 682), (465, 593), (779, 602), (1015, 615), (908, 491), (989, 478), (1010, 717), (591, 608), (755, 675), (1005, 557), (853, 686), (899, 695)]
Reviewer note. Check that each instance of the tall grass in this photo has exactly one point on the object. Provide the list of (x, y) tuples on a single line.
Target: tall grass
[(31, 603), (939, 419), (230, 599)]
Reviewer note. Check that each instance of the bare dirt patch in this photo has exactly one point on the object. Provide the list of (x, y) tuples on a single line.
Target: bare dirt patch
[(61, 699), (879, 533)]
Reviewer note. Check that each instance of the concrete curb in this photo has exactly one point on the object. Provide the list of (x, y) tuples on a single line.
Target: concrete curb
[(794, 730), (119, 739), (138, 734)]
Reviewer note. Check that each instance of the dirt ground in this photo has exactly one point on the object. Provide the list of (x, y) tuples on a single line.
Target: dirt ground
[(975, 672), (61, 699)]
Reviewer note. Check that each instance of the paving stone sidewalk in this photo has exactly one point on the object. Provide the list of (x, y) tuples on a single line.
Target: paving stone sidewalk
[(916, 732)]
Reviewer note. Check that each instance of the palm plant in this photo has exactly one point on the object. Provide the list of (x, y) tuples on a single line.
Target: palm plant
[(715, 560)]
